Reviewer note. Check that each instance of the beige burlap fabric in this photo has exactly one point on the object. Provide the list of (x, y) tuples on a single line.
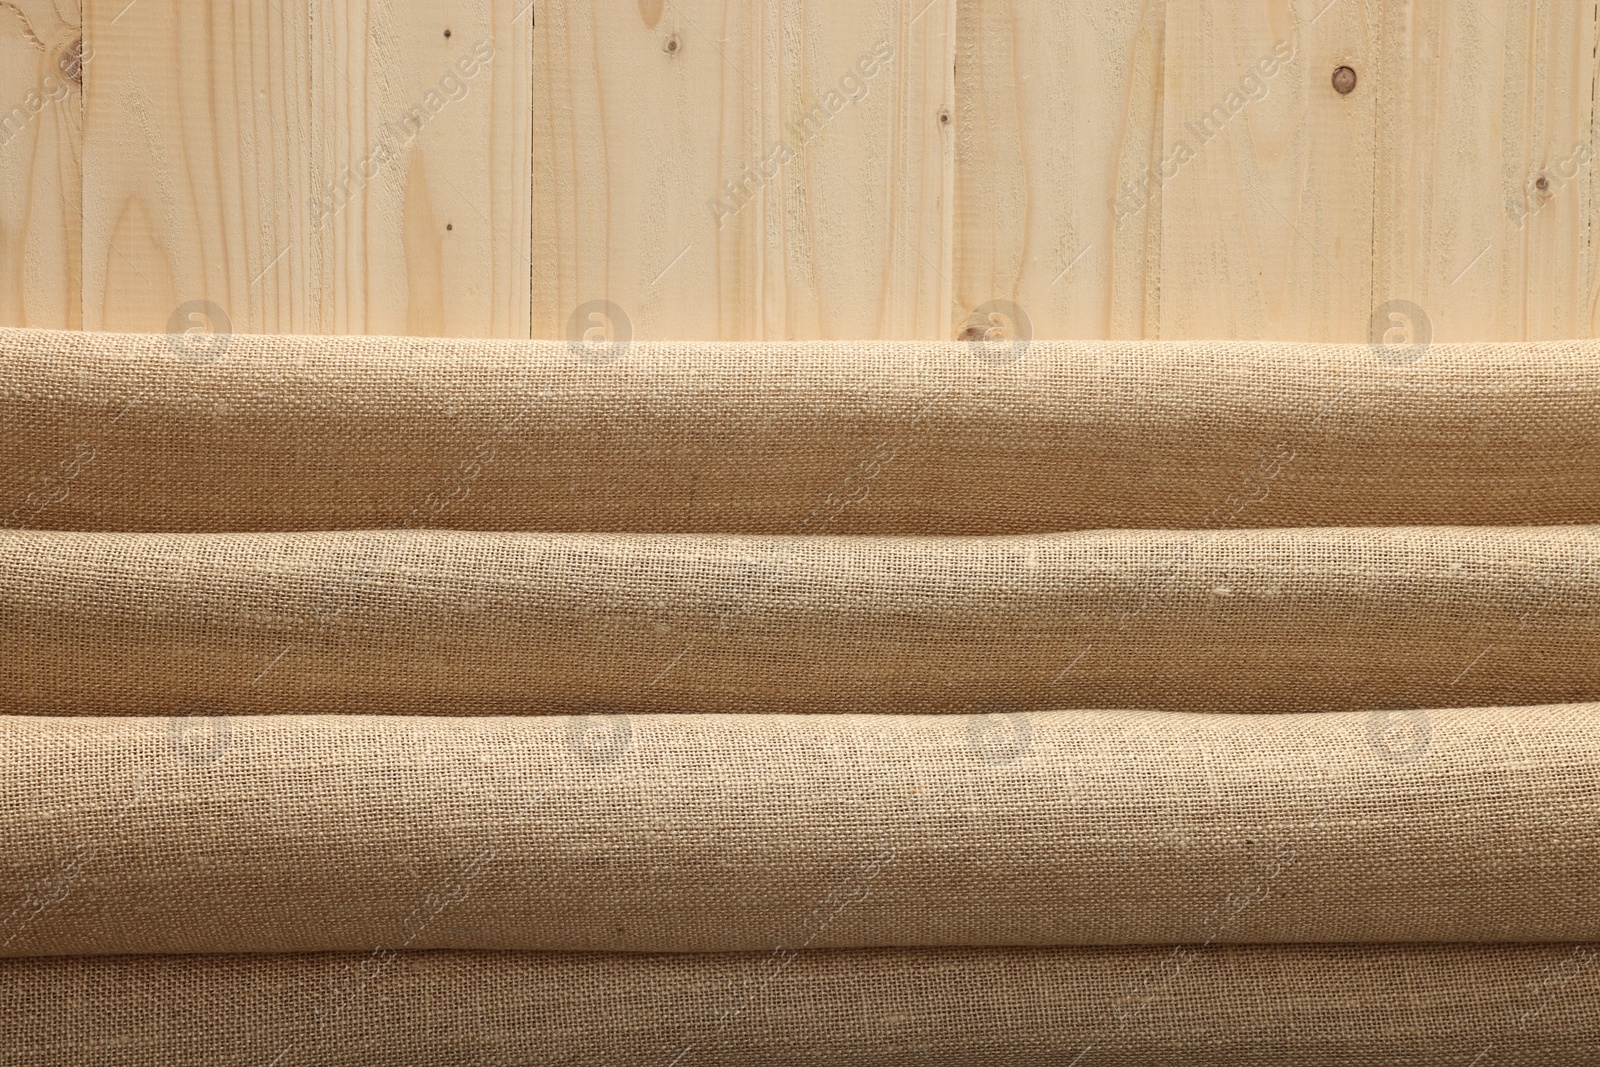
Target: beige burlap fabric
[(1311, 1006), (372, 580), (119, 432), (730, 832), (446, 622)]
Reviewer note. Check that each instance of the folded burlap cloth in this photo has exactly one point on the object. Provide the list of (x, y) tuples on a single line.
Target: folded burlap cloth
[(373, 701)]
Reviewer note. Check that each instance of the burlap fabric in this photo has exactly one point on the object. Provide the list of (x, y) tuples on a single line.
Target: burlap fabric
[(1312, 1006), (446, 622), (120, 432), (1337, 533), (729, 832)]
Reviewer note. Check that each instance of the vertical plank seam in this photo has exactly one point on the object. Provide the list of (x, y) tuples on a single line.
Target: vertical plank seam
[(85, 62), (945, 293), (1381, 70), (317, 316), (533, 127), (1157, 270), (1157, 223), (1586, 321)]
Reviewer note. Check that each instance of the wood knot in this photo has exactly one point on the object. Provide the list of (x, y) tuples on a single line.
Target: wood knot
[(71, 62)]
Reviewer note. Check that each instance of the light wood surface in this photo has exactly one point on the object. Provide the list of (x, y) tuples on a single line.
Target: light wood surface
[(196, 159), (1407, 208), (1058, 106), (745, 169), (41, 148), (802, 169), (1266, 230), (423, 117), (1481, 102), (337, 166)]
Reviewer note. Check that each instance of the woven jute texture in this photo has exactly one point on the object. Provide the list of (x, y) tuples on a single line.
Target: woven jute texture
[(1312, 1006), (448, 622), (357, 694), (732, 832), (123, 432)]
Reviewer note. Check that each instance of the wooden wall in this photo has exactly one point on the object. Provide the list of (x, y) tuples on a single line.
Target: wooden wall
[(769, 169)]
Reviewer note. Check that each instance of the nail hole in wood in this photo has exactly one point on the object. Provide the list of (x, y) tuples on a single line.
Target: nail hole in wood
[(447, 33), (1344, 81), (1543, 184), (672, 45), (944, 116)]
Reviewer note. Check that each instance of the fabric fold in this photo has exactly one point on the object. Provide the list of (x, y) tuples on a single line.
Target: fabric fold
[(689, 833), (452, 622), (137, 432), (1314, 1006)]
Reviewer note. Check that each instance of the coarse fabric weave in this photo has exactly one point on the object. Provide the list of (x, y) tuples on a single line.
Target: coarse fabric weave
[(701, 833), (376, 701), (1308, 1005), (139, 433), (452, 622)]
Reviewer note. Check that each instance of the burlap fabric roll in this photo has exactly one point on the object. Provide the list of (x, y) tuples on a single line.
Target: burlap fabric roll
[(705, 833), (453, 622), (1309, 1005), (129, 432)]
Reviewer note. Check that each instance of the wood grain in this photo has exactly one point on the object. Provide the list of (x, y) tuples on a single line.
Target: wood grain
[(1482, 101), (41, 152), (196, 158), (1058, 134), (337, 166), (423, 120), (732, 170), (1267, 227), (803, 169), (1280, 208), (1168, 169)]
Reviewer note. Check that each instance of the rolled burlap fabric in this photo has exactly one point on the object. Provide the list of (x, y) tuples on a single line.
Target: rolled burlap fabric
[(705, 833), (422, 705), (1310, 1005), (472, 623), (133, 432)]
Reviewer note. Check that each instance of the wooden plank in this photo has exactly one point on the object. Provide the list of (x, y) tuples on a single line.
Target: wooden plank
[(1267, 219), (1147, 168), (424, 115), (721, 169), (337, 166), (1483, 102), (41, 152), (1058, 127), (195, 164)]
